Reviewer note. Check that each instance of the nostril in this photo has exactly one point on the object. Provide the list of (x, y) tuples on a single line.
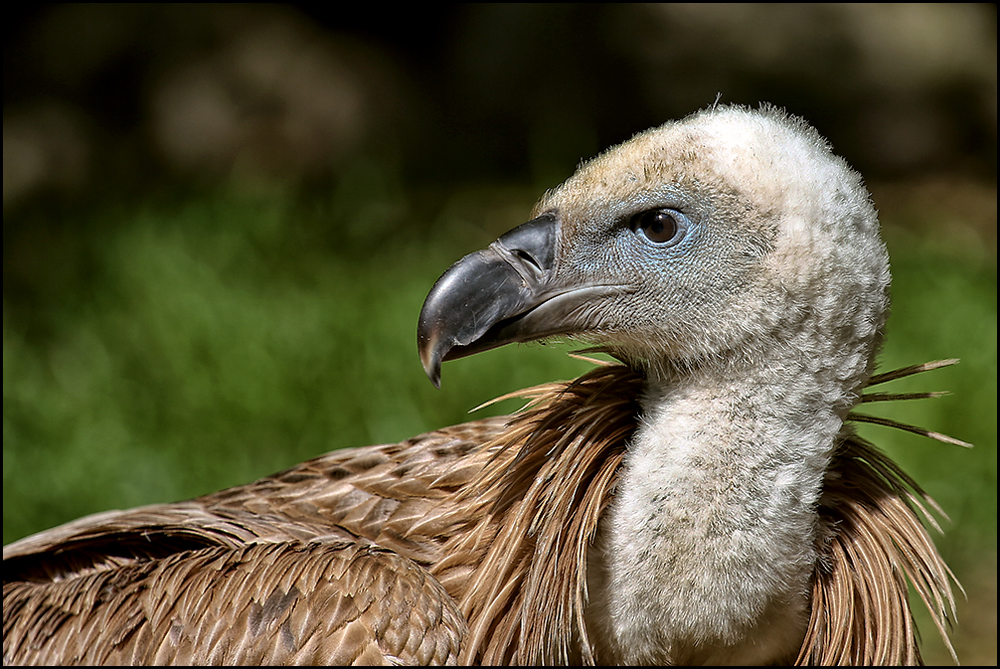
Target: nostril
[(527, 257), (533, 243)]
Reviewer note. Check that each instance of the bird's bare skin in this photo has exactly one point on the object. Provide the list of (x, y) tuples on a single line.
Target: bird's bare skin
[(705, 502)]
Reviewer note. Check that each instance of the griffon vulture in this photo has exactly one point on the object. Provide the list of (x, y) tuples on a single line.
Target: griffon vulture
[(704, 501)]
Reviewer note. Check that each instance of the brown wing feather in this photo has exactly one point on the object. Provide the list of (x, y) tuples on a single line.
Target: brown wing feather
[(263, 604), (400, 496)]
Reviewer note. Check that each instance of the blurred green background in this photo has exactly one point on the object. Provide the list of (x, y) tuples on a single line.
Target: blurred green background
[(220, 223)]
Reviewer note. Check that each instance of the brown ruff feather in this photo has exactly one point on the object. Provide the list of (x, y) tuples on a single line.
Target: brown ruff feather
[(872, 542), (501, 512), (550, 477)]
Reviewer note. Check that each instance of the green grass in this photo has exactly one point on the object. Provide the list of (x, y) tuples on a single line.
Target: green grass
[(167, 351)]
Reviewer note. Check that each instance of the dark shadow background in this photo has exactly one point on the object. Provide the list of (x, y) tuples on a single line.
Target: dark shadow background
[(220, 221), (114, 96)]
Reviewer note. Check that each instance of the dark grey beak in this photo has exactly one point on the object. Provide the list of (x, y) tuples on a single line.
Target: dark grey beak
[(481, 301)]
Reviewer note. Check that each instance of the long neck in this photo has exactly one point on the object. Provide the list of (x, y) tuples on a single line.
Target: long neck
[(708, 548)]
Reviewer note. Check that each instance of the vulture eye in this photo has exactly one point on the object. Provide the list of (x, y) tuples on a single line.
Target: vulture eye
[(660, 226)]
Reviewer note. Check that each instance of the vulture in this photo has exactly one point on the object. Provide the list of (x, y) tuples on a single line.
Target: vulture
[(701, 499)]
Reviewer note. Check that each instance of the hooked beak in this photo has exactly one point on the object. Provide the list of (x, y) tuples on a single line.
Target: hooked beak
[(508, 292)]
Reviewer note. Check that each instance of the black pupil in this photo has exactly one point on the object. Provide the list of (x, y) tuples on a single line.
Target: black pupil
[(659, 226)]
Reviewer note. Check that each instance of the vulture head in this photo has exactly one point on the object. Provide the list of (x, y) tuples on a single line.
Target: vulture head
[(713, 241)]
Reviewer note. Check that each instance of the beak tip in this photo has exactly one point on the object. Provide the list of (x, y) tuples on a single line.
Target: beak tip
[(435, 376), (430, 359), (433, 371)]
